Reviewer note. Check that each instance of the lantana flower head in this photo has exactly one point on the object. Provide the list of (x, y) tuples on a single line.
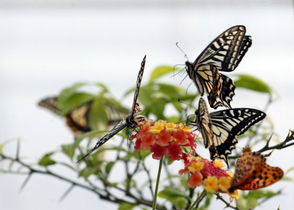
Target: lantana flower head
[(164, 138), (206, 173)]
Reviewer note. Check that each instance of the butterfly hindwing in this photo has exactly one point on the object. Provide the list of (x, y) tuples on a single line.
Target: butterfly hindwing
[(224, 53), (221, 128)]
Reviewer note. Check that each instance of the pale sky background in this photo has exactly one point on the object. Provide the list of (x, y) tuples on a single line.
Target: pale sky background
[(47, 46)]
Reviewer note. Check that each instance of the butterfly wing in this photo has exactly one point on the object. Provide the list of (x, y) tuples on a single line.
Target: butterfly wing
[(130, 120), (105, 138), (51, 104), (221, 91), (224, 53), (227, 125), (78, 119), (227, 50), (253, 173), (133, 118), (203, 123), (245, 165), (264, 175)]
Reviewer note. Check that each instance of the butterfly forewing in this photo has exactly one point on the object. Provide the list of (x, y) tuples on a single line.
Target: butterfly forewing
[(131, 120), (224, 53), (227, 50), (51, 104)]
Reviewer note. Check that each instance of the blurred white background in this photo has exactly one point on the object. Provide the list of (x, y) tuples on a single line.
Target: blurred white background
[(46, 46)]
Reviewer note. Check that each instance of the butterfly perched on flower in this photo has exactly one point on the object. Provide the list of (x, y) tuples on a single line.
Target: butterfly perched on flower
[(78, 118), (131, 120), (224, 53), (220, 129), (252, 172)]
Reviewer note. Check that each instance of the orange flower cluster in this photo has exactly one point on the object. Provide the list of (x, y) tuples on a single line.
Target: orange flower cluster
[(164, 138), (209, 174)]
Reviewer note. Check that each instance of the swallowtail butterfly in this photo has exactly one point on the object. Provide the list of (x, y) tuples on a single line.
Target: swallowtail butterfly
[(224, 53), (131, 120), (78, 118), (220, 129)]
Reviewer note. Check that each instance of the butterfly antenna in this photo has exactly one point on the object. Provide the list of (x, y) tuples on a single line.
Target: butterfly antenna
[(185, 55)]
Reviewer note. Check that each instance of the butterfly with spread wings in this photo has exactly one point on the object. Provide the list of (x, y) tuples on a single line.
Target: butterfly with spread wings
[(224, 53), (78, 119), (131, 120), (220, 129)]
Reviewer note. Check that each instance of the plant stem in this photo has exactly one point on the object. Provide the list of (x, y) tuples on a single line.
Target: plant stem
[(200, 197), (157, 183)]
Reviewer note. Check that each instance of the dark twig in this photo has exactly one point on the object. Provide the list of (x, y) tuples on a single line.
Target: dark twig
[(284, 144), (66, 193), (223, 200)]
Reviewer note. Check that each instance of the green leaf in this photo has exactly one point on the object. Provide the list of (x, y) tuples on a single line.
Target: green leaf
[(250, 201), (161, 71), (103, 87), (88, 172), (126, 206), (68, 92), (109, 166), (46, 160), (97, 116), (68, 149), (252, 83), (74, 101), (175, 196)]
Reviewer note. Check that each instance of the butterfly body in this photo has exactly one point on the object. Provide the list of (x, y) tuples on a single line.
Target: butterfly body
[(220, 129), (252, 172), (224, 53)]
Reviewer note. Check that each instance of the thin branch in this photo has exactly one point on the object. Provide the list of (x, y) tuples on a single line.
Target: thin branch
[(227, 203), (25, 182), (66, 193), (284, 144)]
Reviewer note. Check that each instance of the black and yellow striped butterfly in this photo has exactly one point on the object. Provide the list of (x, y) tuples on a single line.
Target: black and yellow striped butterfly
[(131, 120), (224, 53), (220, 129), (78, 119)]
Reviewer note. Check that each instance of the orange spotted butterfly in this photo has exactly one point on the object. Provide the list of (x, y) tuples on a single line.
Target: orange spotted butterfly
[(253, 173)]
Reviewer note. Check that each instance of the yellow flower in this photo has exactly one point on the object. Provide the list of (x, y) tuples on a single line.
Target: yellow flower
[(234, 194), (224, 184), (230, 173), (210, 184), (185, 128), (218, 163), (171, 126), (195, 166), (158, 126)]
